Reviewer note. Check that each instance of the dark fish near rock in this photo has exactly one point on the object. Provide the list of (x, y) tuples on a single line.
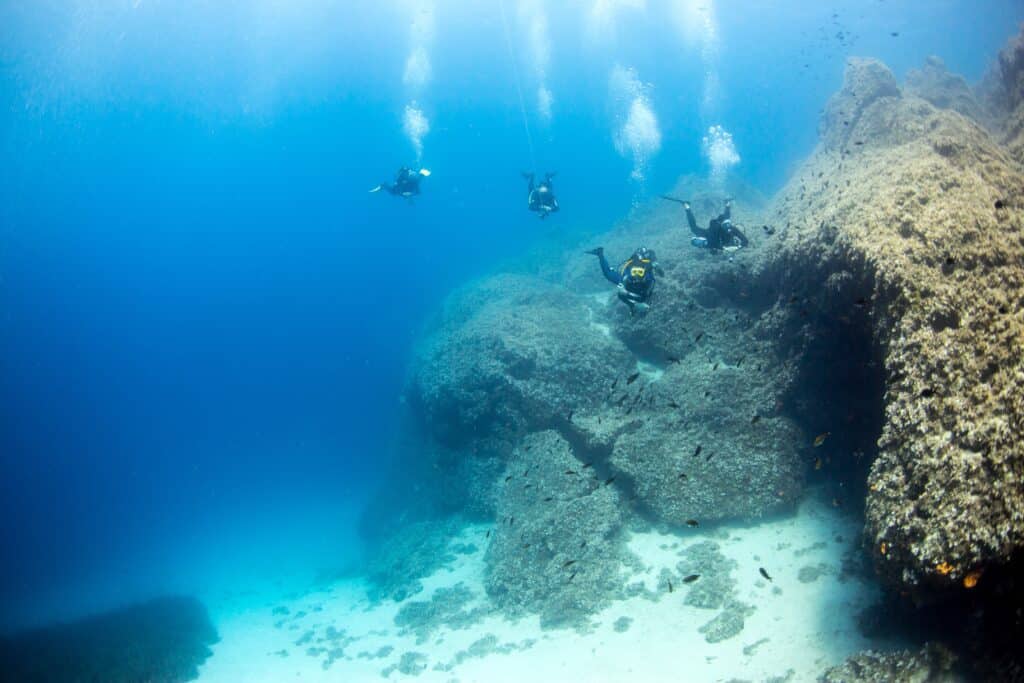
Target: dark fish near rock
[(572, 576), (571, 412), (754, 420), (548, 499), (568, 563), (673, 359), (682, 475), (820, 438), (632, 378), (710, 455), (698, 337), (861, 302), (691, 578), (571, 472), (508, 477), (697, 451), (488, 534), (715, 366), (670, 589), (615, 383), (692, 523), (609, 480), (764, 573), (586, 465), (673, 404)]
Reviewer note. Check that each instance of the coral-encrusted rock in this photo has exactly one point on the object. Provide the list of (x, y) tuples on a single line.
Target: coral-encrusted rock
[(924, 218), (511, 355), (557, 547), (933, 664), (1002, 92), (946, 90), (867, 80)]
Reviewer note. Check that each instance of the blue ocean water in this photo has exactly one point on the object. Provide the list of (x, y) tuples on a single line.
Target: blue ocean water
[(207, 319)]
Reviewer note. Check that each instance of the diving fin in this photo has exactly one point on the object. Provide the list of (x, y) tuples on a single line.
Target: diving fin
[(425, 173), (377, 189)]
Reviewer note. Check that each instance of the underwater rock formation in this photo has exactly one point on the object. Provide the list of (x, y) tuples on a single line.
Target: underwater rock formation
[(163, 641), (558, 547), (933, 664), (1002, 93), (902, 222)]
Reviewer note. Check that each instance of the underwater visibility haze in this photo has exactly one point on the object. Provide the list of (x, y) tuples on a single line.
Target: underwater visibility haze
[(597, 340)]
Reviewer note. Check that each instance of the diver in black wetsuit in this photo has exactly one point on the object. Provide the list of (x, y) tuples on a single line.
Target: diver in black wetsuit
[(634, 278), (541, 197), (720, 234), (407, 183)]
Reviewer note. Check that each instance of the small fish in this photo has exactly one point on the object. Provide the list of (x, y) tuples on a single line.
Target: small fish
[(859, 142), (508, 477), (615, 383), (583, 545), (895, 34), (629, 410), (817, 464), (682, 475), (861, 302), (571, 472), (754, 420), (837, 503), (673, 404), (673, 359), (692, 523), (511, 521), (609, 480), (572, 576), (698, 337), (632, 378), (670, 589), (691, 578), (571, 412), (697, 451), (715, 366), (568, 563), (488, 534), (764, 573), (586, 465), (525, 546), (710, 455), (548, 499), (820, 438), (526, 472), (706, 394), (527, 487), (740, 361)]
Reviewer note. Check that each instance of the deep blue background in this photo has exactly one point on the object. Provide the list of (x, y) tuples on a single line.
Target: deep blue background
[(204, 315)]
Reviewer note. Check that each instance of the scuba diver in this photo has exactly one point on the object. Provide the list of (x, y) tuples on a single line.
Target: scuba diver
[(541, 197), (407, 183), (720, 235), (634, 278)]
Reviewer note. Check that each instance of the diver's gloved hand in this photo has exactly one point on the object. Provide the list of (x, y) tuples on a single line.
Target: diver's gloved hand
[(699, 241), (641, 308)]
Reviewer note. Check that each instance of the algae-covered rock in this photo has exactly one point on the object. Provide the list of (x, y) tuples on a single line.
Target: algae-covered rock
[(944, 89), (932, 268), (932, 664), (558, 547)]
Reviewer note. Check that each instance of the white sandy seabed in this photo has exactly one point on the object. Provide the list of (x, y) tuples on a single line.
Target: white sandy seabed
[(798, 629)]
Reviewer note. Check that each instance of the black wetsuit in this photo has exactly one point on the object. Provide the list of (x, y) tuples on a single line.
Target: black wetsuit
[(720, 232), (636, 276), (541, 198), (407, 183)]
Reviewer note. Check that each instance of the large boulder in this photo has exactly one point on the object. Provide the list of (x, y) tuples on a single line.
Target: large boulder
[(910, 215), (558, 547)]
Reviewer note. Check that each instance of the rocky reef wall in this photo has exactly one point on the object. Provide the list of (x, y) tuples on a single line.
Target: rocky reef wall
[(873, 330)]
